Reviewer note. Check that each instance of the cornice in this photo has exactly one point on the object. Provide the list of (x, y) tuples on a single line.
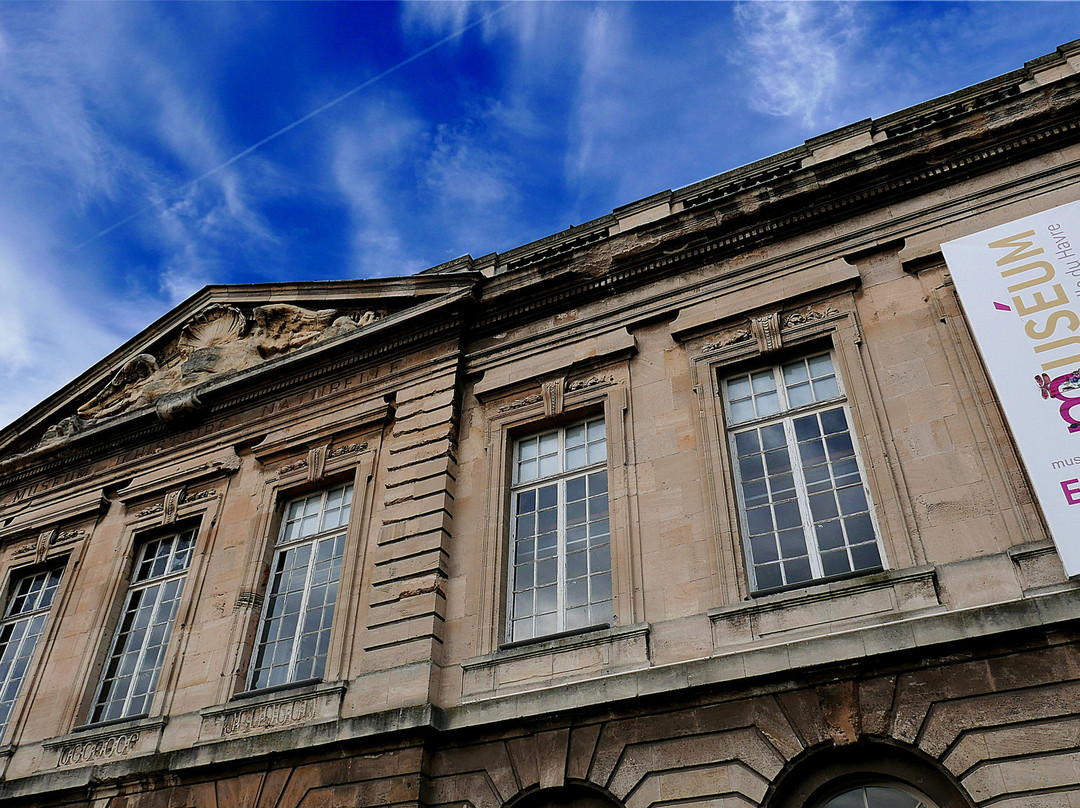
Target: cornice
[(818, 195)]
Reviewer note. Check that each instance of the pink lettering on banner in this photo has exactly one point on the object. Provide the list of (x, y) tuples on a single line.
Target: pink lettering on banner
[(1072, 491)]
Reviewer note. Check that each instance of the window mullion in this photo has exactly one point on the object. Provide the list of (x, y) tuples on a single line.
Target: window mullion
[(141, 658), (305, 598), (18, 650), (560, 573), (802, 496)]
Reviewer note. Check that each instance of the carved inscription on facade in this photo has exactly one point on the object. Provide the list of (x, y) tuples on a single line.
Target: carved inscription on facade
[(267, 717), (77, 754)]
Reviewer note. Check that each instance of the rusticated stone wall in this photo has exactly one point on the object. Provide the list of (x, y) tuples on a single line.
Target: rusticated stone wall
[(998, 726)]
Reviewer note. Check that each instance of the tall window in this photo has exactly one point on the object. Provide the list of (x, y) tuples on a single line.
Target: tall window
[(138, 649), (560, 576), (24, 620), (295, 632), (804, 508)]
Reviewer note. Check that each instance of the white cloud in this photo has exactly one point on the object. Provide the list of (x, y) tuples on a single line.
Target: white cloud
[(598, 108), (49, 334), (372, 166), (792, 53), (524, 23)]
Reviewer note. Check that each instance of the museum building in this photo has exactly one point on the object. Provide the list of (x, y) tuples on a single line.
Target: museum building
[(707, 502)]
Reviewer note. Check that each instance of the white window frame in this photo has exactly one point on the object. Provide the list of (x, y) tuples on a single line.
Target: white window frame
[(177, 562), (785, 416), (560, 477), (30, 599), (290, 541)]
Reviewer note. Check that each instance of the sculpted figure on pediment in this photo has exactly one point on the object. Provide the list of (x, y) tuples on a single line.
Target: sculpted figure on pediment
[(124, 390), (218, 340), (280, 328)]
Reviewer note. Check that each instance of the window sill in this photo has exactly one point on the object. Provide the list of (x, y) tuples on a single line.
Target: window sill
[(112, 722), (272, 709), (104, 741), (554, 638), (555, 659), (821, 605), (310, 684)]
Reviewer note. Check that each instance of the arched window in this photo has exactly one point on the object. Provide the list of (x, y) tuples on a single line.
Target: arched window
[(878, 797), (867, 774), (574, 795)]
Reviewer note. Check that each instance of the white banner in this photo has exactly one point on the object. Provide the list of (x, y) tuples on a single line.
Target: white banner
[(1019, 284)]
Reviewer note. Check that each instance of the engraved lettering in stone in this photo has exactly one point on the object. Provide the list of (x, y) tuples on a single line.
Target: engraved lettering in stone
[(100, 749), (266, 717)]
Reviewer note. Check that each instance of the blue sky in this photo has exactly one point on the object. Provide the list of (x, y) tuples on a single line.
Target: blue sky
[(119, 195)]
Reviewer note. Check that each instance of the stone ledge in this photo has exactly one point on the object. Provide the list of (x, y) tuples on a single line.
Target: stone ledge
[(742, 669), (101, 744), (1039, 567), (876, 596), (560, 659), (279, 708)]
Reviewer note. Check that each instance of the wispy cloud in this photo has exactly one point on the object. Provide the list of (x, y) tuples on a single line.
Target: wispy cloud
[(792, 54), (373, 165)]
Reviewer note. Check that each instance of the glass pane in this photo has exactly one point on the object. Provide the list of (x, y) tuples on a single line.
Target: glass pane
[(825, 389), (576, 457), (881, 797), (746, 443), (763, 381), (738, 388), (742, 410), (768, 404), (768, 576), (795, 372), (850, 799), (820, 366)]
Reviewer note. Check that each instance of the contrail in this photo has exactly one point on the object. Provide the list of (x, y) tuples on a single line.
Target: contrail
[(294, 124)]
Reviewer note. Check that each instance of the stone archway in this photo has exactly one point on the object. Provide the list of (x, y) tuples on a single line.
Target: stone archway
[(819, 776), (569, 796)]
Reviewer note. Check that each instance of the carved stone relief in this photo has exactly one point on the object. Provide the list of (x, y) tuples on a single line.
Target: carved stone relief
[(592, 381), (46, 540), (766, 330), (173, 500), (727, 338), (809, 315), (218, 340)]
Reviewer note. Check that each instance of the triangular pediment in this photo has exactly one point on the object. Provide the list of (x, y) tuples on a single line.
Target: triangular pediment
[(224, 332)]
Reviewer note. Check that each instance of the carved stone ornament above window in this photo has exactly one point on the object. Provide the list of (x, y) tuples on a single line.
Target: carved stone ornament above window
[(792, 319), (729, 337), (218, 340)]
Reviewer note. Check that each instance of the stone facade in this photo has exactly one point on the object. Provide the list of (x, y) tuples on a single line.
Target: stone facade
[(388, 444)]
